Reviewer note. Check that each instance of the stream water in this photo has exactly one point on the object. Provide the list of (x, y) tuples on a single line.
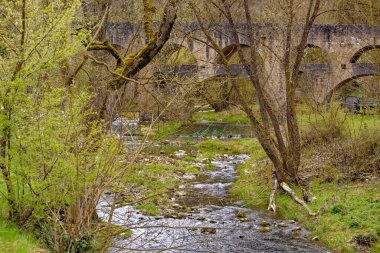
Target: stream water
[(211, 221)]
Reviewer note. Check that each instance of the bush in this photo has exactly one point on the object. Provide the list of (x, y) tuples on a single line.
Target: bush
[(359, 156), (322, 127)]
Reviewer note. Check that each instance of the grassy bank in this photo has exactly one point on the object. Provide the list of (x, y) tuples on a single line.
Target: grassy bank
[(348, 214), (341, 153), (233, 116), (14, 240), (212, 147)]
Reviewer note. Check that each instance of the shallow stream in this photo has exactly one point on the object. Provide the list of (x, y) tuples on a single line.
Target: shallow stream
[(211, 221)]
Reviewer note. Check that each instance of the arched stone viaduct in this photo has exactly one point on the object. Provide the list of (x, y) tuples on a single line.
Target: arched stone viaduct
[(344, 45)]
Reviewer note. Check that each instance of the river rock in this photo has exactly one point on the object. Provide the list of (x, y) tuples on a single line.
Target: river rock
[(193, 153), (283, 225), (296, 229), (245, 219), (208, 230), (180, 193), (264, 223), (180, 154), (265, 229), (241, 214), (176, 206)]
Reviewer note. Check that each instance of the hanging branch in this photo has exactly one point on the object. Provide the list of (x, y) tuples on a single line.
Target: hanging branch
[(149, 12), (130, 65)]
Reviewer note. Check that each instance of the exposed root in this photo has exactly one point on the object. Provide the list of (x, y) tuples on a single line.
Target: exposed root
[(289, 190), (272, 203)]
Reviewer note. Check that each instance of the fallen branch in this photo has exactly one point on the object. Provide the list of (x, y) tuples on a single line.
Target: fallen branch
[(289, 190)]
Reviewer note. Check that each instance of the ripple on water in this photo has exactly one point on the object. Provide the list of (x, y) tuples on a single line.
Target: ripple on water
[(207, 228)]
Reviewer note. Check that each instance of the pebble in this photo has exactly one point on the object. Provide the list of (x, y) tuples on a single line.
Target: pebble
[(176, 206), (208, 230), (296, 229), (265, 229), (264, 223), (283, 225)]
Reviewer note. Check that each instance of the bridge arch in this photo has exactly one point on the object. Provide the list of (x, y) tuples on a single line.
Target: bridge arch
[(356, 57), (231, 53), (175, 60), (315, 54), (177, 54), (236, 67), (345, 82)]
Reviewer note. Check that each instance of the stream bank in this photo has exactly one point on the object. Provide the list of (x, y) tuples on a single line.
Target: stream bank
[(202, 217)]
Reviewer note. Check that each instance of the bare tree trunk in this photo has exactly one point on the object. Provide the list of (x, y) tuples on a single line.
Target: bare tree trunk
[(283, 149)]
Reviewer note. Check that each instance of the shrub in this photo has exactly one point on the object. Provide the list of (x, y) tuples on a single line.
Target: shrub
[(322, 127)]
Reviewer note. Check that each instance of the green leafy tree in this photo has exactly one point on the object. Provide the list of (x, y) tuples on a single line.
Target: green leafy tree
[(55, 163)]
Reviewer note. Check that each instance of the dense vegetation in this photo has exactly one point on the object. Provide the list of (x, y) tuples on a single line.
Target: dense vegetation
[(63, 86)]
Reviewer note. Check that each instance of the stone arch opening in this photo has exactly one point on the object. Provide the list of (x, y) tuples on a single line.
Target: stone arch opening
[(231, 53), (177, 55), (218, 89), (236, 67), (175, 60), (370, 53), (218, 92), (357, 81), (314, 54), (314, 71)]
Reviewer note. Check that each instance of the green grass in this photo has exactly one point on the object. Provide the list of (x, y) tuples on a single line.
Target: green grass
[(148, 209), (166, 129), (14, 240), (209, 148), (350, 125), (346, 210), (233, 116)]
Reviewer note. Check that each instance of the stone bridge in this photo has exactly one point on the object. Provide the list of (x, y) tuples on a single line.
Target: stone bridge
[(342, 44)]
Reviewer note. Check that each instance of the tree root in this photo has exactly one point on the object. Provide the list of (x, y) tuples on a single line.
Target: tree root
[(289, 190), (272, 203)]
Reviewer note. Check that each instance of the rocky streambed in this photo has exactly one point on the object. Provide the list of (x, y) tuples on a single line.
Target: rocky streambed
[(204, 218)]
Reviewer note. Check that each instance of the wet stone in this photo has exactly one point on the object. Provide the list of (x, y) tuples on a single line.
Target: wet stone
[(265, 229), (283, 225), (208, 230), (245, 219), (191, 227), (264, 223)]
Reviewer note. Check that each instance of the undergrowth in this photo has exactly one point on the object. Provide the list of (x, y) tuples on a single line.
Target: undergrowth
[(341, 161), (15, 240)]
